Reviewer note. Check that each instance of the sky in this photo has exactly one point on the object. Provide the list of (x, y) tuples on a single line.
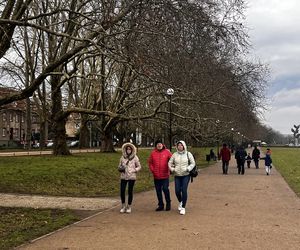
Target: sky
[(274, 32)]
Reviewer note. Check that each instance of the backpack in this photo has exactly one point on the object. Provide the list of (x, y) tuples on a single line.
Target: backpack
[(194, 171)]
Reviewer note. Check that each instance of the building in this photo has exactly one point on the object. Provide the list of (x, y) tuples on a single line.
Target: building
[(13, 121)]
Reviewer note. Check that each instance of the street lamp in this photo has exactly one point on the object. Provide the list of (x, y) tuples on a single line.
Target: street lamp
[(170, 92), (217, 122), (90, 129)]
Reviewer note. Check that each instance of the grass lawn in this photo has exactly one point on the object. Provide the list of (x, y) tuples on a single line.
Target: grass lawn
[(87, 174), (287, 162), (18, 225)]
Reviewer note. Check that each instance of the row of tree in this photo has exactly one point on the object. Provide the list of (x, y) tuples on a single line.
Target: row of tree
[(111, 62)]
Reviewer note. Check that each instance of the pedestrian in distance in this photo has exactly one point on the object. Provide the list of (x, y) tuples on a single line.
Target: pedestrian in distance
[(181, 163), (212, 155), (248, 159), (225, 156), (129, 165), (240, 156), (158, 165), (256, 156), (268, 162)]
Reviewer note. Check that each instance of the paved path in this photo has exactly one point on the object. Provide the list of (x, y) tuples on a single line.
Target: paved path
[(254, 211), (36, 201)]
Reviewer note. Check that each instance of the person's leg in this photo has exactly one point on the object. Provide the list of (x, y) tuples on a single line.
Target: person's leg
[(248, 164), (130, 191), (226, 167), (239, 168), (185, 184), (267, 170), (243, 168), (256, 163), (123, 184), (223, 166), (158, 188), (178, 188), (165, 188)]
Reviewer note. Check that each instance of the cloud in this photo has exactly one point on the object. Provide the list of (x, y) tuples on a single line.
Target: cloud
[(285, 111), (275, 37)]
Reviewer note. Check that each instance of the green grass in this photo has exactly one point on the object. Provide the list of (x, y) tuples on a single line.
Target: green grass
[(287, 162), (87, 174), (18, 225)]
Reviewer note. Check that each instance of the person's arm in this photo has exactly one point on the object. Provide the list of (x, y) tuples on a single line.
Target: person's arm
[(138, 165), (192, 162), (171, 164), (150, 163)]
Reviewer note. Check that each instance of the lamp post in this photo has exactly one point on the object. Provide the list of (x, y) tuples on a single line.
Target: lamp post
[(217, 122), (90, 129), (170, 92)]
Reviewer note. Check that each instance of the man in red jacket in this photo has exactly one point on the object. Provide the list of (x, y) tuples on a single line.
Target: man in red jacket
[(225, 155), (158, 164)]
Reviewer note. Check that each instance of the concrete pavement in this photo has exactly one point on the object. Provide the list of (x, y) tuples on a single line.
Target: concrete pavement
[(251, 211)]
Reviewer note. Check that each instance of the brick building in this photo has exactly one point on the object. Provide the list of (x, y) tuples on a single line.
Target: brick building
[(13, 121)]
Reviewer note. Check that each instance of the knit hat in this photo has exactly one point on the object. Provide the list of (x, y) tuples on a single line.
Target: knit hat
[(158, 141)]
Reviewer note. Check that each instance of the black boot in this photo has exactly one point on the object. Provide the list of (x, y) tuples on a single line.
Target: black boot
[(168, 206), (160, 208)]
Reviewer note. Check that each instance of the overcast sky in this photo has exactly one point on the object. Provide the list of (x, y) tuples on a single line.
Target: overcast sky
[(275, 36)]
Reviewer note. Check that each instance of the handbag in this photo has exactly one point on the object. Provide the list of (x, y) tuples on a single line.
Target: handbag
[(194, 172)]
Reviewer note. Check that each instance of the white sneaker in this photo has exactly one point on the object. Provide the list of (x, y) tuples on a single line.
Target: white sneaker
[(123, 209), (180, 206), (182, 211), (128, 209)]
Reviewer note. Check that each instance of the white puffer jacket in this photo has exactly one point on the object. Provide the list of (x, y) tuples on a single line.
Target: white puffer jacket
[(131, 163), (179, 162)]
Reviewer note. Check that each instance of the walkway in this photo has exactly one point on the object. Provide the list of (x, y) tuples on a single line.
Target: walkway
[(254, 211)]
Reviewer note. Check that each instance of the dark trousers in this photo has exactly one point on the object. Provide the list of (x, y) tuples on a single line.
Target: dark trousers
[(181, 186), (248, 164), (256, 162), (241, 167), (123, 190), (225, 166), (162, 185)]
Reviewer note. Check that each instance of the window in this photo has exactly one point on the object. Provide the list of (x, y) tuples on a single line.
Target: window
[(4, 117), (17, 118), (22, 118), (17, 133), (11, 117), (4, 132)]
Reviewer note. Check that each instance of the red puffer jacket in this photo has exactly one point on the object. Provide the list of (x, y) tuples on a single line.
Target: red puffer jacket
[(158, 163)]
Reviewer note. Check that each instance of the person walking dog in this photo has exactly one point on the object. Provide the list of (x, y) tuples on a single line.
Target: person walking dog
[(129, 165)]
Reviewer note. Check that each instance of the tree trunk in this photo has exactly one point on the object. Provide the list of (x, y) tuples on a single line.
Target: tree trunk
[(107, 142), (28, 124), (59, 123), (84, 134), (60, 141)]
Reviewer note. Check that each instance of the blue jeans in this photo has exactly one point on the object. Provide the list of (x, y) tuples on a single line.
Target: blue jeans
[(162, 185), (123, 185), (181, 186)]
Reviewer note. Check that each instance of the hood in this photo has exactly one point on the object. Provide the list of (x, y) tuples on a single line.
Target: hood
[(184, 146), (124, 150)]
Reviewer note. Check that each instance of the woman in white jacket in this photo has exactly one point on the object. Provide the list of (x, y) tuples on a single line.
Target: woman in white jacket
[(181, 163)]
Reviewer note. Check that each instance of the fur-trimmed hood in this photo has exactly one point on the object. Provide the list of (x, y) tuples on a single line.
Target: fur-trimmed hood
[(133, 154)]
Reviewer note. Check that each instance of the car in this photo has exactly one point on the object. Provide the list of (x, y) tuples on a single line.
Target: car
[(73, 144), (49, 144)]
